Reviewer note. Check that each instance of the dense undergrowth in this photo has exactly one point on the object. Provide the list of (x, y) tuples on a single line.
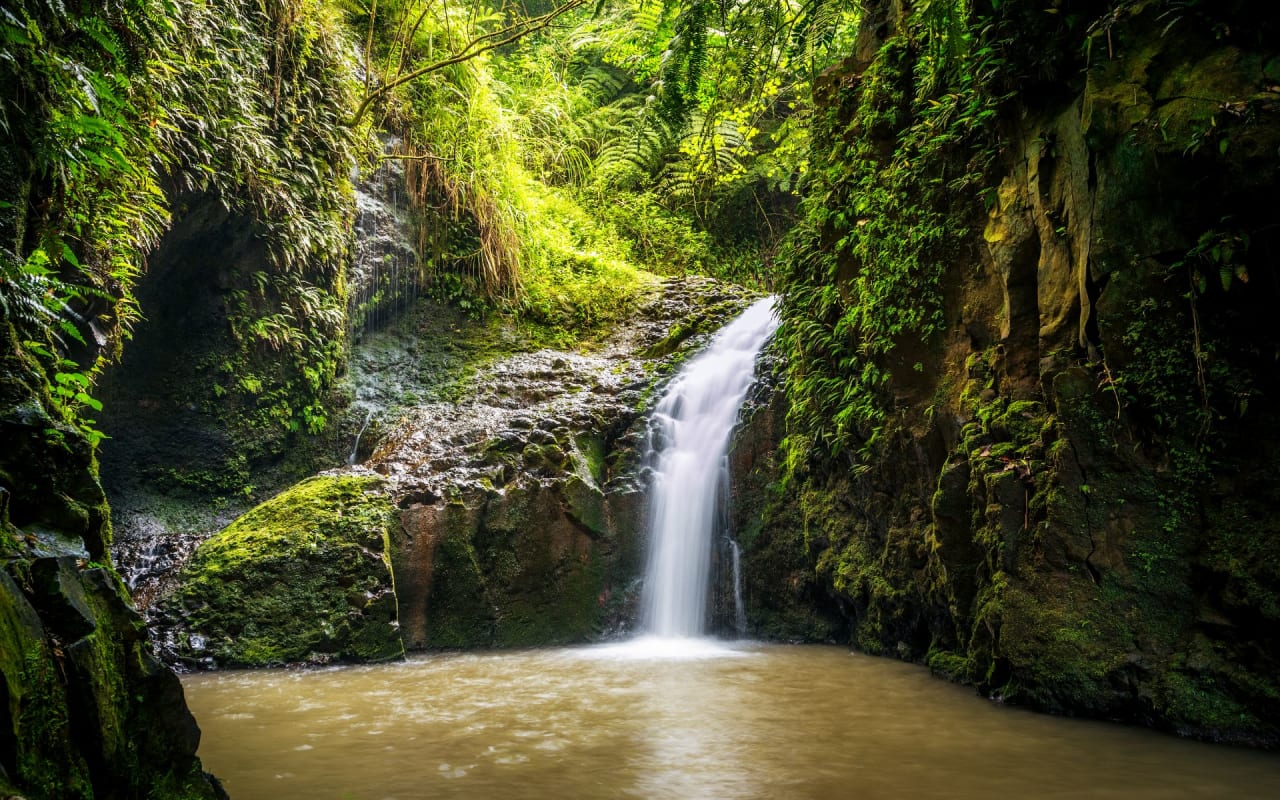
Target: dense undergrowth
[(907, 163), (113, 114), (556, 158), (903, 169), (627, 139)]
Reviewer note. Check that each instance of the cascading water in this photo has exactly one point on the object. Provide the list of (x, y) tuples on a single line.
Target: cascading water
[(355, 448), (387, 275), (689, 440)]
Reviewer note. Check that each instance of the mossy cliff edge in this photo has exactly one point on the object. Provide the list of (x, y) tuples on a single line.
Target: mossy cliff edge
[(1044, 470), (135, 137), (85, 708)]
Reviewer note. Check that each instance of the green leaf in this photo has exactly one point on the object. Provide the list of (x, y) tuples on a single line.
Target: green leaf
[(71, 330), (68, 378), (1272, 69), (84, 398)]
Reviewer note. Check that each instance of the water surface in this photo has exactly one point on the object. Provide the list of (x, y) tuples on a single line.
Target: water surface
[(712, 721)]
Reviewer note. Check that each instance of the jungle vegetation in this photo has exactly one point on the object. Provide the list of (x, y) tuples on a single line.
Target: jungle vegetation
[(558, 156)]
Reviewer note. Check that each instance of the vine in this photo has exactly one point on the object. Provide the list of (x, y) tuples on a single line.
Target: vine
[(891, 197)]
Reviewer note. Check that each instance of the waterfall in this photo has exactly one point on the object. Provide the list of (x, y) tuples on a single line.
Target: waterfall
[(355, 448), (688, 441), (387, 274)]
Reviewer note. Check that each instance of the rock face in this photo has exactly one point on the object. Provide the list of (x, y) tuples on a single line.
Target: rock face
[(305, 575), (1067, 502), (85, 709), (781, 595), (385, 276), (512, 514)]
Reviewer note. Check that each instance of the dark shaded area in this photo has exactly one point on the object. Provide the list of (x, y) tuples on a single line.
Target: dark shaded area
[(161, 402)]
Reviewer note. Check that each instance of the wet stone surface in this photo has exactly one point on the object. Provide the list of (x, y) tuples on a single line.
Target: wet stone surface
[(515, 476), (521, 417)]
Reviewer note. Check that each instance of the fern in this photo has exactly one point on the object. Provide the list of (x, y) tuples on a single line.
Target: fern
[(600, 82), (683, 63), (816, 29), (25, 297), (111, 101)]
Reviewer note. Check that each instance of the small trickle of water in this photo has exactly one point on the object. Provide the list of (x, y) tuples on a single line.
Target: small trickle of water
[(355, 448), (148, 557), (739, 613), (688, 440), (388, 275)]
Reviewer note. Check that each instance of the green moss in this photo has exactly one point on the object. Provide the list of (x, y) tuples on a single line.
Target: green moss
[(304, 574), (556, 602), (47, 764), (588, 457), (675, 337), (949, 664), (1020, 422), (585, 505), (458, 612), (872, 569), (1199, 703), (191, 784), (1062, 649)]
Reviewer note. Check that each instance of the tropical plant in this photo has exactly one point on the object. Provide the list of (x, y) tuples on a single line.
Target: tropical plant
[(110, 112), (896, 182)]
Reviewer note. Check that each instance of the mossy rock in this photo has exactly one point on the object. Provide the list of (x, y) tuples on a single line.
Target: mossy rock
[(304, 576), (37, 720), (459, 614), (1020, 423), (949, 664), (90, 712), (544, 573), (675, 337)]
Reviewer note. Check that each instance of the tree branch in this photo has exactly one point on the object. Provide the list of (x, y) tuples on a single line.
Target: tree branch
[(473, 48), (368, 49), (410, 157)]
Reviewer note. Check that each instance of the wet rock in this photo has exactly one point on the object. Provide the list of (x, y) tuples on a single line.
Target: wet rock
[(60, 597), (269, 588), (85, 710), (542, 435), (518, 520)]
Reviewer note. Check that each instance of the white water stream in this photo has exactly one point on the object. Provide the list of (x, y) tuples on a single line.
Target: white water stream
[(689, 439), (673, 715)]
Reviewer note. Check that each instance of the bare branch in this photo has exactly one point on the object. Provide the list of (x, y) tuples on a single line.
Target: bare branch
[(368, 49), (410, 157), (473, 48), (408, 40)]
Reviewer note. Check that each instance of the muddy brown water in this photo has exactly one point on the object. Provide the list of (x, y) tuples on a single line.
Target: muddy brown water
[(714, 721)]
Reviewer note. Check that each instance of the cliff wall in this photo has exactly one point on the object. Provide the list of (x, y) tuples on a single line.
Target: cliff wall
[(1031, 388)]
